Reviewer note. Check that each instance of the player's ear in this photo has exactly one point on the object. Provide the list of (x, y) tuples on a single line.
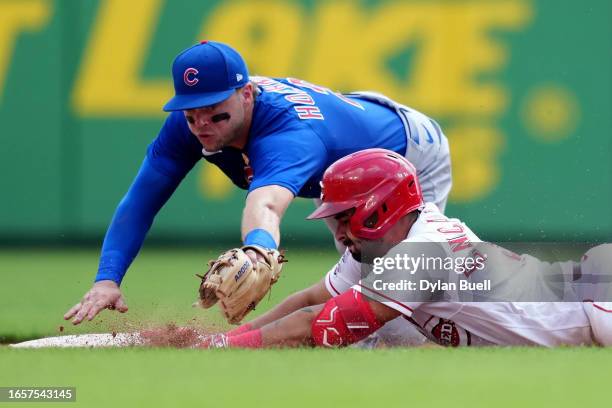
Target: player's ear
[(247, 93)]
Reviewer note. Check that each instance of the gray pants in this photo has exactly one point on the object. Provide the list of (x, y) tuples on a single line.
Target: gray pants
[(427, 149)]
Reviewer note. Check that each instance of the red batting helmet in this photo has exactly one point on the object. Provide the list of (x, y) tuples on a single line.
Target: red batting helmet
[(380, 185)]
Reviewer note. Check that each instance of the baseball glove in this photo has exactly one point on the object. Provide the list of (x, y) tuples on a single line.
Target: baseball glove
[(237, 283)]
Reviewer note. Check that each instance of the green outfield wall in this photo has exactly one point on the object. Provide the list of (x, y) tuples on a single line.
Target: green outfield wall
[(523, 90)]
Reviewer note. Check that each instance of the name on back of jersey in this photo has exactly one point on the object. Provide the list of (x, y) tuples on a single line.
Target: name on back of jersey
[(303, 103)]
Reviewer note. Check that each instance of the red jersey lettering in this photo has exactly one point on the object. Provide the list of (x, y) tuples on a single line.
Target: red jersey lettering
[(302, 98), (454, 229), (308, 85), (308, 112), (460, 243)]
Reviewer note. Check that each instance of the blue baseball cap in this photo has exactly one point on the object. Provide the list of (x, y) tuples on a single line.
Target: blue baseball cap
[(205, 74)]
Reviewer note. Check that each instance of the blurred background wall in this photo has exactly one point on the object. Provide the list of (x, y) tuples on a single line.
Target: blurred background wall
[(522, 88)]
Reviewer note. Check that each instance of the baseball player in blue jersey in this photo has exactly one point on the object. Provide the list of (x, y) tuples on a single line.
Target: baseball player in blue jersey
[(272, 137)]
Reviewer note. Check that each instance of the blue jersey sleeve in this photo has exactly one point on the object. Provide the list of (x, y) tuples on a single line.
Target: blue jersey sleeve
[(175, 150), (132, 220), (169, 158), (287, 159)]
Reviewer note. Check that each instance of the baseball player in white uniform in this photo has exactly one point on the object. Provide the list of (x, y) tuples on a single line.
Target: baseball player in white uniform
[(375, 197)]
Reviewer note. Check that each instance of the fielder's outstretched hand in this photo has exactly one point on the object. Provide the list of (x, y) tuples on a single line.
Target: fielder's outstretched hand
[(103, 295)]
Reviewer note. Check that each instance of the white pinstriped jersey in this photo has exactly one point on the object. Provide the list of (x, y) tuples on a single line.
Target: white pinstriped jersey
[(476, 323)]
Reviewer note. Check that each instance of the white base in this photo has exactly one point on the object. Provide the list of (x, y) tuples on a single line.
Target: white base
[(85, 340)]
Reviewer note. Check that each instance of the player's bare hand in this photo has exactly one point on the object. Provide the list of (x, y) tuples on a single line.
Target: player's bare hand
[(103, 295)]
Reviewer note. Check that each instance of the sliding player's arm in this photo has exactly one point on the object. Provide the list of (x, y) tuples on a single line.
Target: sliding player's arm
[(314, 295), (342, 320)]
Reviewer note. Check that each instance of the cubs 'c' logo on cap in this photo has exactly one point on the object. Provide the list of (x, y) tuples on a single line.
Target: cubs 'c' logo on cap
[(189, 76)]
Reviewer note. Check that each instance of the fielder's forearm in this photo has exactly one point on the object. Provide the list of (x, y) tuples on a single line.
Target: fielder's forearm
[(132, 220), (264, 210)]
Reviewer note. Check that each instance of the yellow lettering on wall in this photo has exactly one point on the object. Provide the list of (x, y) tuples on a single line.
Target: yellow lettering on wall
[(350, 44), (213, 183), (109, 82), (266, 33), (474, 155), (452, 47), (550, 112), (458, 48), (17, 16)]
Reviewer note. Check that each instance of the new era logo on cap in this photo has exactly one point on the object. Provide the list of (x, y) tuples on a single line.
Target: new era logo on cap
[(205, 74)]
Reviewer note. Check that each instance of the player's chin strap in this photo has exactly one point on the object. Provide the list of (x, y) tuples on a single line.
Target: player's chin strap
[(344, 320)]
